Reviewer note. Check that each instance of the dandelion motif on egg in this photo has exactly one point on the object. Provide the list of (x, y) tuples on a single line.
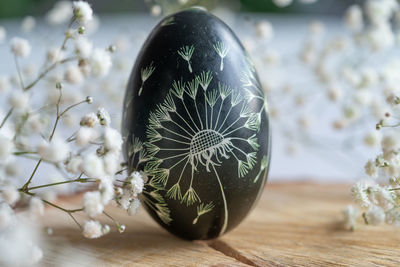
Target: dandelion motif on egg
[(196, 121)]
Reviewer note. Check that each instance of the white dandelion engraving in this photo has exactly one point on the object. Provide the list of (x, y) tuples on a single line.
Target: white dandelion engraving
[(168, 21), (222, 50), (180, 138), (145, 73), (186, 53), (203, 209)]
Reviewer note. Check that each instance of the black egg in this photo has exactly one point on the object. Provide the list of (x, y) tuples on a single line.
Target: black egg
[(196, 121)]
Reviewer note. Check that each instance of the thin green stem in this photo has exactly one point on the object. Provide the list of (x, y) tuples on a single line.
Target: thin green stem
[(30, 178), (78, 180), (6, 117), (19, 72)]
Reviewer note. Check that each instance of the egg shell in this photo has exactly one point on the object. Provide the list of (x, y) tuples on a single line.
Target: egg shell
[(196, 121)]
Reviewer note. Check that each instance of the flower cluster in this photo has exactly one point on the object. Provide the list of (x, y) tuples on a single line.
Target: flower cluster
[(60, 130)]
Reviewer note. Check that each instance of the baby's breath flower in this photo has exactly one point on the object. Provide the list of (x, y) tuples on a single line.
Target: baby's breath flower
[(282, 3), (133, 207), (36, 206), (374, 216), (106, 189), (89, 120), (74, 165), (73, 75), (82, 11), (92, 166), (92, 229), (373, 138), (136, 182), (371, 169), (85, 135), (112, 139), (55, 151), (354, 18), (350, 215), (54, 55), (104, 117), (111, 163), (156, 10), (92, 204), (360, 193), (265, 30), (19, 100), (4, 84), (6, 147), (6, 215), (10, 194), (3, 34), (83, 47), (60, 13), (28, 24), (20, 47), (100, 62)]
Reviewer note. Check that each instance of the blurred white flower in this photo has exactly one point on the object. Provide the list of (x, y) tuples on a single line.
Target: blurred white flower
[(104, 117), (354, 18), (83, 47), (19, 99), (133, 207), (112, 139), (36, 207), (60, 13), (100, 62), (28, 24), (54, 55), (111, 163), (73, 75), (371, 169), (92, 229), (6, 215), (4, 84), (82, 11), (92, 166), (106, 189), (282, 3), (156, 10), (55, 151), (20, 47), (136, 182), (350, 215), (9, 194), (89, 120), (6, 147), (92, 204), (373, 138), (85, 136), (265, 30), (375, 215), (74, 165)]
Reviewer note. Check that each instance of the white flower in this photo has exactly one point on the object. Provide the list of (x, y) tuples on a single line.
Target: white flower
[(125, 199), (84, 136), (73, 75), (93, 166), (380, 37), (36, 255), (371, 169), (106, 190), (12, 168), (36, 206), (390, 142), (133, 207), (54, 54), (382, 197), (104, 117), (100, 62), (89, 120), (6, 147), (350, 215), (335, 93), (20, 47), (83, 47), (6, 215), (60, 13), (373, 138), (360, 194), (354, 18), (375, 215), (36, 123), (92, 204), (282, 3), (136, 182), (380, 11), (156, 10), (82, 11), (74, 165), (3, 34), (10, 194), (4, 84), (19, 99), (28, 24), (265, 30), (55, 151), (112, 139), (111, 163), (92, 229)]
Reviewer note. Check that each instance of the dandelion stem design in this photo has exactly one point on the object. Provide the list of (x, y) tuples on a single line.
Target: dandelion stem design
[(203, 209), (186, 53), (145, 73), (180, 141), (222, 50)]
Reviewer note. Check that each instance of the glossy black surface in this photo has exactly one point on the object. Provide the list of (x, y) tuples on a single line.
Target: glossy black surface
[(195, 120)]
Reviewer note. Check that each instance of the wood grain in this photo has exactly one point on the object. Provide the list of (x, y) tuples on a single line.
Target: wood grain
[(295, 224)]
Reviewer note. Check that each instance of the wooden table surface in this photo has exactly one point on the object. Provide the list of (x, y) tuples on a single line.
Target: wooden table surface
[(294, 224)]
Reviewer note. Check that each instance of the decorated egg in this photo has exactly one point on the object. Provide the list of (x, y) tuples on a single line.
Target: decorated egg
[(195, 120)]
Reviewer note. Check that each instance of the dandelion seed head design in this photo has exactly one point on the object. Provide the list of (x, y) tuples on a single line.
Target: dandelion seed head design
[(200, 127)]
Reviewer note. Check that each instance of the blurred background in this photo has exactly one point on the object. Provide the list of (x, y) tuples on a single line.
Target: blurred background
[(321, 70)]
